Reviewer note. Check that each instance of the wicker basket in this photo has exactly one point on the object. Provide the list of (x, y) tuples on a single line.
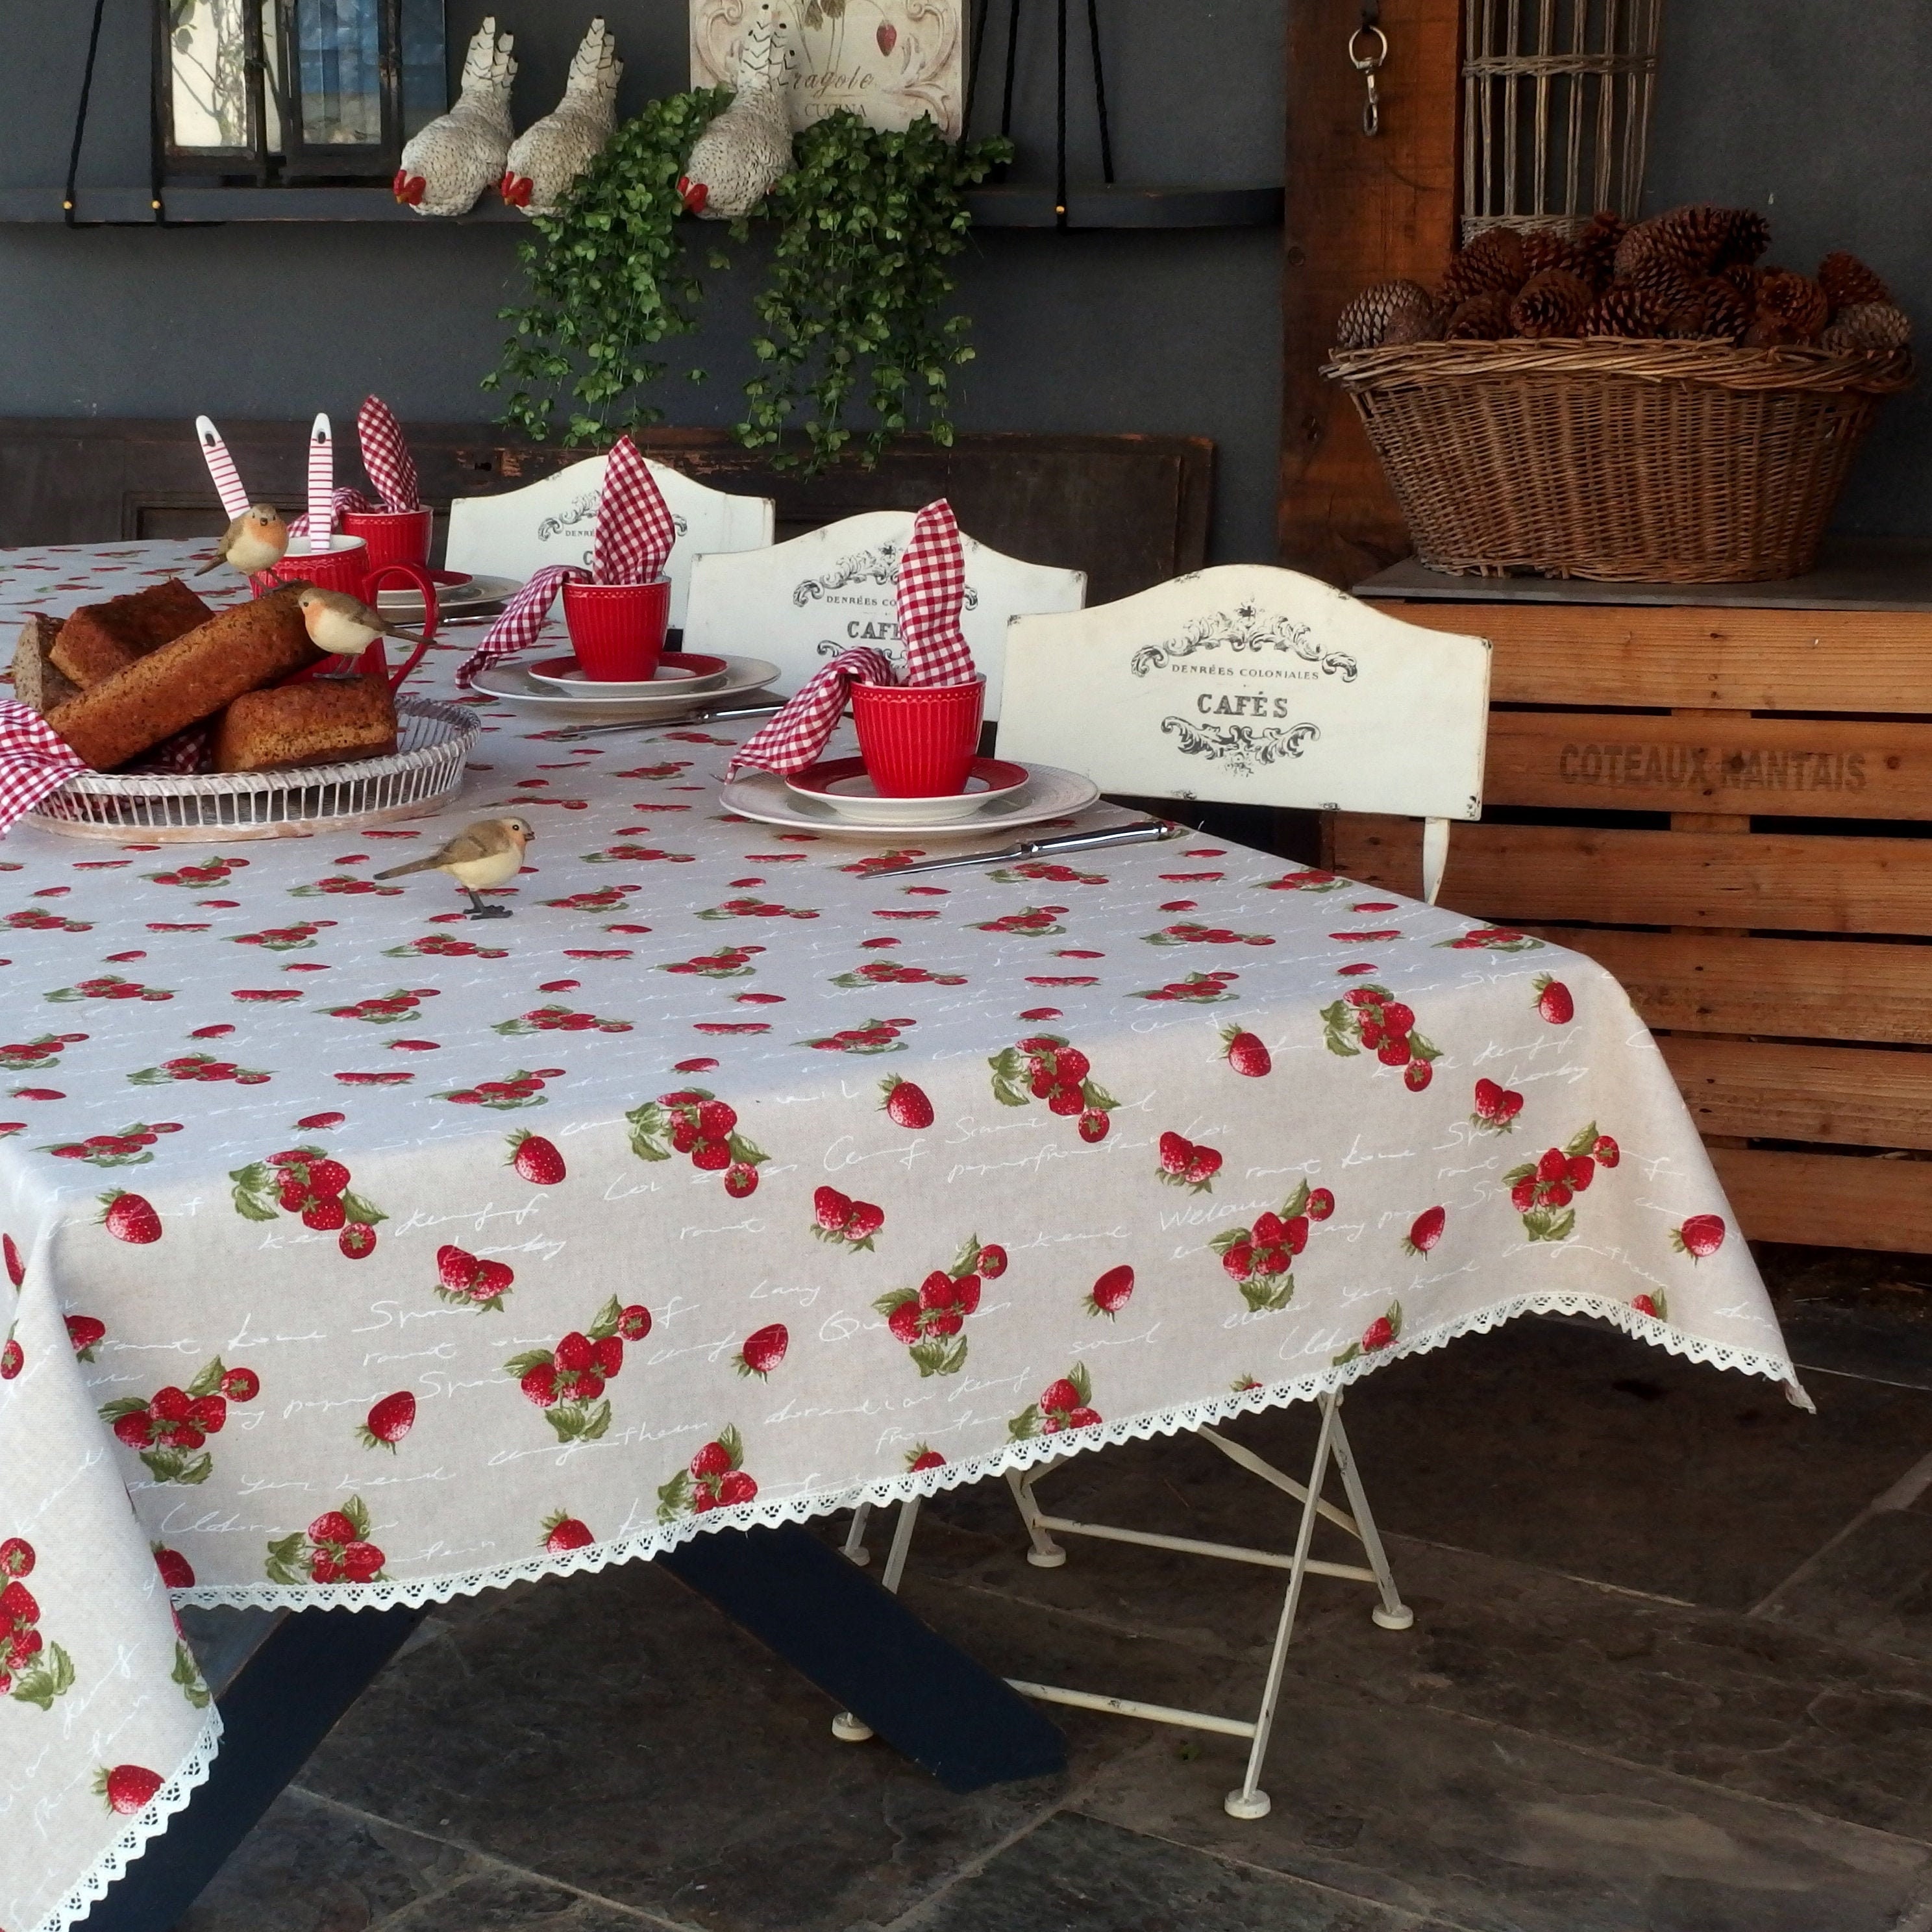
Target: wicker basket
[(1637, 461)]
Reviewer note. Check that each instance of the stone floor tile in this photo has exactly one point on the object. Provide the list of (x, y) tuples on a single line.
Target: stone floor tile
[(311, 1866), (501, 1900), (1879, 1344), (1872, 1587), (1075, 1874)]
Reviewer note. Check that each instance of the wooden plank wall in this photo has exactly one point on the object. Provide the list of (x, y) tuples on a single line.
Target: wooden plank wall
[(1758, 875)]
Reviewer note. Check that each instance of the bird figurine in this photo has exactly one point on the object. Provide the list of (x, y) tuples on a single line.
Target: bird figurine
[(747, 150), (256, 540), (480, 857), (344, 626), (447, 165), (549, 154)]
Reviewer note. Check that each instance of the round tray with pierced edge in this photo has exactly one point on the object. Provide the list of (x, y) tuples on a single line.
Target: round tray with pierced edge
[(422, 774)]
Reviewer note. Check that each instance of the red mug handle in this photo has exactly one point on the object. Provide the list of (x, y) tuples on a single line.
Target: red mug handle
[(420, 579)]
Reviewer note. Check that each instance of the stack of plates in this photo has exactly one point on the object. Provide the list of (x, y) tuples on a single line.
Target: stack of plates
[(554, 689), (456, 590), (836, 796)]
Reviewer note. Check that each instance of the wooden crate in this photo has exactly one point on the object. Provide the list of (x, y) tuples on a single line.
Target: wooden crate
[(1731, 808)]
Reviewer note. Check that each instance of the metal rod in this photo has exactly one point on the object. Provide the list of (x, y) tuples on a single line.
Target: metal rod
[(895, 1557), (1128, 1707), (1100, 93), (1393, 1607), (1060, 118), (1247, 1459), (1190, 1546)]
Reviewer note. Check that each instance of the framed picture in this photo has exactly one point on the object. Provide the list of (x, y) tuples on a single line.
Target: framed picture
[(889, 60)]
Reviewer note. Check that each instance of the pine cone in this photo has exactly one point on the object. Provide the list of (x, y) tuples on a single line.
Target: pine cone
[(1797, 302), (1552, 303), (1768, 331), (1401, 311), (1624, 309), (1688, 240), (1494, 260), (1596, 248), (1745, 279), (1864, 325), (1726, 313), (1483, 318), (1848, 283), (1549, 248), (1750, 236)]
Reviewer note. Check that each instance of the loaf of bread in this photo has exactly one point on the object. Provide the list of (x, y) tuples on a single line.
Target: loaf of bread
[(100, 639), (36, 681), (238, 650), (324, 721)]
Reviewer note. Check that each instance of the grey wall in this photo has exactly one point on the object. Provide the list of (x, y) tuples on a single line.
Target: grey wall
[(1176, 333)]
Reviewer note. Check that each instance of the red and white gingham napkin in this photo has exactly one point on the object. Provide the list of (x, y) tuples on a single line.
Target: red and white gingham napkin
[(634, 534), (931, 590), (34, 761), (386, 457), (345, 498)]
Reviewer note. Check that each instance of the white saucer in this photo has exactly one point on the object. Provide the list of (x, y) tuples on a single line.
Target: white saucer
[(472, 594), (670, 674), (508, 683), (843, 785), (1048, 792)]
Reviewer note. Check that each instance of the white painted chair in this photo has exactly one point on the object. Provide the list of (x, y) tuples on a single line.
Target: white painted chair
[(1246, 685), (517, 533), (806, 600)]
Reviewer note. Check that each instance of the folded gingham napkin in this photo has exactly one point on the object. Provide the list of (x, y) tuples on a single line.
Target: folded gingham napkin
[(34, 761), (931, 590), (634, 534), (386, 457)]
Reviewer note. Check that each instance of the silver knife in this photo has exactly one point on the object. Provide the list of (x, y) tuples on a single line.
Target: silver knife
[(573, 731), (1146, 833)]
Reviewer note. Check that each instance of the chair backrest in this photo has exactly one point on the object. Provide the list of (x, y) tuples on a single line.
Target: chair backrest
[(516, 533), (804, 601), (1248, 685)]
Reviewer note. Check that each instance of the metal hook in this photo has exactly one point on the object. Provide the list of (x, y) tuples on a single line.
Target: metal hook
[(1366, 65)]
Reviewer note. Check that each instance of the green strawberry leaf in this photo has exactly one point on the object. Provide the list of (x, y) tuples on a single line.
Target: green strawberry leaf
[(733, 1444), (190, 1679), (1541, 1224), (254, 1196), (126, 1404), (150, 1076), (284, 1564), (1350, 1354), (1096, 1096), (1266, 1295), (1009, 1095), (895, 1298), (358, 1514), (52, 1674), (940, 1355), (1228, 1238), (366, 1212), (1079, 1377), (1422, 1048), (1297, 1203), (674, 1497), (520, 1365), (209, 1382), (579, 1422), (650, 1132), (1026, 1423), (177, 1465), (1525, 1172), (963, 1262), (747, 1152), (605, 1322), (1583, 1142), (1009, 1065)]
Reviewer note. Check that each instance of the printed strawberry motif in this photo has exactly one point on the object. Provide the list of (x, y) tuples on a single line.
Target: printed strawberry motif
[(611, 898), (694, 1121), (318, 1123), (1066, 1404), (894, 973), (335, 1549), (127, 1788), (31, 1669), (1371, 1019), (562, 1533), (1260, 1260), (1112, 1292), (1044, 1066), (1035, 922), (756, 909), (1492, 939), (1553, 1000), (521, 1089), (384, 1008), (726, 962), (1185, 1163), (1305, 881), (929, 1318), (762, 1351), (554, 1018), (536, 1159), (567, 1382), (84, 1335), (13, 1359), (874, 1036), (197, 1066), (715, 1479), (467, 1280), (128, 1148), (844, 1222), (16, 1269), (1496, 1108), (297, 938), (210, 872), (1654, 1304), (921, 1457), (1426, 1231), (177, 1572), (1703, 1234), (1246, 1053), (38, 1055), (187, 1674), (1384, 1332), (106, 986), (306, 1182), (624, 855), (1192, 932), (443, 946), (130, 1217), (168, 1429), (38, 919), (389, 1421), (1198, 989), (1542, 1190), (340, 884), (1048, 870)]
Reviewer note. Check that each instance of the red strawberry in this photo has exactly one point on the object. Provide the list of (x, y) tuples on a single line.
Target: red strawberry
[(1398, 1018), (86, 1334), (938, 1290), (904, 1322), (713, 1460), (1555, 1193), (1426, 1230), (536, 1159), (1380, 1333), (1703, 1234), (539, 1385), (331, 1527), (1417, 1075), (1553, 1166), (1112, 1292), (1268, 1230), (1203, 1167), (737, 1487), (831, 1209), (607, 1353), (867, 1219), (361, 1561), (574, 1353), (634, 1323), (328, 1178), (177, 1573), (133, 1430), (1606, 1151), (711, 1157), (16, 1557), (564, 1533), (1093, 1126), (967, 1289), (1553, 1001), (130, 1218), (455, 1268), (13, 1359), (1175, 1153), (318, 1123), (1395, 1050), (764, 1351), (1071, 1065), (1496, 1105), (925, 1459), (1059, 1398), (991, 1260), (741, 1178), (1321, 1204), (390, 1420), (357, 1241), (716, 1120), (1581, 1171), (1644, 1305), (209, 1413), (1522, 1196), (171, 1404), (906, 1105), (1065, 1101), (326, 1216), (16, 1269), (127, 1788)]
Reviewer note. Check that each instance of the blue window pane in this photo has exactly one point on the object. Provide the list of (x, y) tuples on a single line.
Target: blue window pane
[(425, 64), (338, 56)]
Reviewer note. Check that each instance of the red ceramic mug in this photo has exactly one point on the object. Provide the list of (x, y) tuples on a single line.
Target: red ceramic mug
[(617, 630), (393, 536), (918, 740), (345, 565)]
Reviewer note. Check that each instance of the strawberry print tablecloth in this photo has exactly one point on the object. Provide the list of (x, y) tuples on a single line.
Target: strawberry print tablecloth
[(360, 1254)]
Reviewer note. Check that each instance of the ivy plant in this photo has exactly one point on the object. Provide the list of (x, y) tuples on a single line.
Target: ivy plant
[(867, 226)]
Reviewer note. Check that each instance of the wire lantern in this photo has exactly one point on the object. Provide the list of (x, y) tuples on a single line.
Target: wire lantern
[(1556, 103)]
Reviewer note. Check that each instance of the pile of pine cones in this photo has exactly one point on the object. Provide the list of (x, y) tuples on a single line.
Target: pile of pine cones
[(1693, 274)]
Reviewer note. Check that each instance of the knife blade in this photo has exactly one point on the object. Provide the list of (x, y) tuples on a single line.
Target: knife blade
[(1148, 832), (722, 715)]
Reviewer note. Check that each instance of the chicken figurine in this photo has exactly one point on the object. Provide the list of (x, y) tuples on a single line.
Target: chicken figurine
[(549, 154), (447, 165), (742, 154)]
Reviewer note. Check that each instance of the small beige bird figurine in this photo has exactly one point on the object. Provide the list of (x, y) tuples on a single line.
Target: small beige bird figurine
[(257, 540), (338, 622), (479, 858)]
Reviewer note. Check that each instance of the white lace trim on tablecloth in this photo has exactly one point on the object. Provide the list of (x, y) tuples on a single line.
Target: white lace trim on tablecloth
[(151, 1822), (1015, 1455)]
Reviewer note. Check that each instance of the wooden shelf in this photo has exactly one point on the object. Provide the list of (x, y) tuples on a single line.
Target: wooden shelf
[(1091, 208)]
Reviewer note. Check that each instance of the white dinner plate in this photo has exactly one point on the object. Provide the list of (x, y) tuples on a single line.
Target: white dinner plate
[(565, 674), (844, 785), (472, 594), (506, 681), (1048, 792)]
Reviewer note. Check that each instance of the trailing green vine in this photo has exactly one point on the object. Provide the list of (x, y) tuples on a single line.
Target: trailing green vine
[(868, 222)]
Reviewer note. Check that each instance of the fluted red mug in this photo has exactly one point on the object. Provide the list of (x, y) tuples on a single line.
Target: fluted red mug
[(345, 565), (617, 630), (393, 536), (918, 740)]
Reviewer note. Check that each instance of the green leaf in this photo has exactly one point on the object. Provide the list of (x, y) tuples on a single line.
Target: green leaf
[(605, 1322), (1297, 1203), (185, 1674), (674, 1497), (284, 1564), (732, 1445), (208, 1381), (358, 1514), (940, 1355), (1582, 1143), (51, 1674), (893, 1299), (1026, 1423), (253, 1195), (520, 1365)]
